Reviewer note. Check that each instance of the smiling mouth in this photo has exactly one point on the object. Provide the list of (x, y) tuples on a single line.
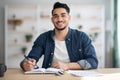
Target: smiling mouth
[(60, 23)]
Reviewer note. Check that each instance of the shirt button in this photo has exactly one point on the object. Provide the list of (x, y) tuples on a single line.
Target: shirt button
[(51, 53), (69, 39), (80, 50)]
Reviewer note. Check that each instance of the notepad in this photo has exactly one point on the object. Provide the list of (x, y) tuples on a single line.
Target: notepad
[(82, 73), (43, 70)]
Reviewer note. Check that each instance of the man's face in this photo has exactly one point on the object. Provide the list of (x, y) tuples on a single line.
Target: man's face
[(60, 18)]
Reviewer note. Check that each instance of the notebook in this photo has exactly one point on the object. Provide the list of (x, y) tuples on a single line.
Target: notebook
[(45, 71)]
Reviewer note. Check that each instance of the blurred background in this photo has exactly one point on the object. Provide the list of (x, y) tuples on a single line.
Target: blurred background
[(21, 21)]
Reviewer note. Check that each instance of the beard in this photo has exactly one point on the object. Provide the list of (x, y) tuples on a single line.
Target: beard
[(60, 28)]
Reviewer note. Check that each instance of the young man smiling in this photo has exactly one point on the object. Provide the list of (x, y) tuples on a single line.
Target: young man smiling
[(62, 47)]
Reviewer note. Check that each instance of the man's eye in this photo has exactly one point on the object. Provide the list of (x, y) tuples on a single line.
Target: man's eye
[(55, 16), (63, 15)]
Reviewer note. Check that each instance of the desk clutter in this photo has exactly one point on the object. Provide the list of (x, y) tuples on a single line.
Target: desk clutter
[(79, 73)]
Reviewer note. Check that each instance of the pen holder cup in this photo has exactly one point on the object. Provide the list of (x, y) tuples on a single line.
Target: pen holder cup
[(3, 69)]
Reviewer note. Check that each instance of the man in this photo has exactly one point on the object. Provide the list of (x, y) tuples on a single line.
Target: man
[(63, 47)]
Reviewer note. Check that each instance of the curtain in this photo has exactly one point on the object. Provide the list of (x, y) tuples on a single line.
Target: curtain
[(116, 55)]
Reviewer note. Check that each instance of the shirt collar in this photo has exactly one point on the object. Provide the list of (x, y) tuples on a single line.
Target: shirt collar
[(67, 37)]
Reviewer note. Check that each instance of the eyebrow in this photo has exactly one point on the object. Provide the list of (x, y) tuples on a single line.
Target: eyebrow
[(61, 13)]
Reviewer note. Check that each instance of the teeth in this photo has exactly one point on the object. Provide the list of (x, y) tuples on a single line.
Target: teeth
[(60, 23)]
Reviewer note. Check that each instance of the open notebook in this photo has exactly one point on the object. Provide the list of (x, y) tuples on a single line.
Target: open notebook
[(43, 70)]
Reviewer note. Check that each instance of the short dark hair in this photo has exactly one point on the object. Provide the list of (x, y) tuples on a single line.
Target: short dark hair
[(61, 5)]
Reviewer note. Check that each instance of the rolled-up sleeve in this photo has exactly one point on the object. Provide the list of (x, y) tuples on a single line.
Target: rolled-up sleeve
[(90, 59), (84, 64)]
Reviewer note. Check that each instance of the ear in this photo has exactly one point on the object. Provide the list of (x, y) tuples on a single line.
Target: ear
[(69, 17)]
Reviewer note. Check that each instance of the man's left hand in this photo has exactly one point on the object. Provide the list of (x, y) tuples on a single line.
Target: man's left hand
[(60, 65)]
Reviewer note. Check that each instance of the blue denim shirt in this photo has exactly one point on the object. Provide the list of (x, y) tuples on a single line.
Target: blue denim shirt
[(78, 45)]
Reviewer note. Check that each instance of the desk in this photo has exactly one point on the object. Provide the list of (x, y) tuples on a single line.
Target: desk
[(17, 74)]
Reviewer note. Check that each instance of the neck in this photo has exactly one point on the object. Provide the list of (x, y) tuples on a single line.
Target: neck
[(61, 34)]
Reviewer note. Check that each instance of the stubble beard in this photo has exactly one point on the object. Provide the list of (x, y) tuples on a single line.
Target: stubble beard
[(60, 29)]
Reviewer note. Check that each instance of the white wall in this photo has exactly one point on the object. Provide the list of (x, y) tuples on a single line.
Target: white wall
[(118, 32)]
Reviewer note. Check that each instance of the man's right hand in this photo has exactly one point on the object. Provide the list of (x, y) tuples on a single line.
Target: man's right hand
[(29, 64)]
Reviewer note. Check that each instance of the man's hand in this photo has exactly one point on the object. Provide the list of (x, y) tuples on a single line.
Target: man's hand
[(29, 64), (67, 66), (60, 65)]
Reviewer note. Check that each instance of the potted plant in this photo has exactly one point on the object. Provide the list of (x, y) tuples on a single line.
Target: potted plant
[(24, 49), (28, 37)]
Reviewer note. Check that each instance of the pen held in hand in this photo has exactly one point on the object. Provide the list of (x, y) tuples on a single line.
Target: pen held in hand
[(27, 58)]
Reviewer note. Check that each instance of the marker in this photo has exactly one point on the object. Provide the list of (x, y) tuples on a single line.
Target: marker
[(35, 67)]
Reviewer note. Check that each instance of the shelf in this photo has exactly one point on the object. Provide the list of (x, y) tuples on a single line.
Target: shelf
[(91, 19), (15, 21), (20, 44), (22, 31)]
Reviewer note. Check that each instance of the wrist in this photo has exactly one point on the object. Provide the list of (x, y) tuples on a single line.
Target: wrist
[(68, 66)]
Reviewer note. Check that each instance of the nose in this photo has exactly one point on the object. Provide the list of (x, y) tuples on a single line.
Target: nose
[(59, 18)]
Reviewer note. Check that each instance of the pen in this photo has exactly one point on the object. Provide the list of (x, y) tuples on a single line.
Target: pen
[(35, 67), (59, 73), (26, 57)]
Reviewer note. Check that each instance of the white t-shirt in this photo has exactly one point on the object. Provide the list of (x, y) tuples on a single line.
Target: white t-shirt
[(60, 52)]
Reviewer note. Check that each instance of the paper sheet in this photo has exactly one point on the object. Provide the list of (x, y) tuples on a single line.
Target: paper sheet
[(84, 73)]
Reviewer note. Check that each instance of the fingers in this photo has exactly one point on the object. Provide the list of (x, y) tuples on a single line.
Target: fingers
[(29, 64), (55, 65), (33, 61), (60, 65)]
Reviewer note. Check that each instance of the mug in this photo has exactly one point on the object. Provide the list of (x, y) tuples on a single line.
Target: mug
[(3, 69)]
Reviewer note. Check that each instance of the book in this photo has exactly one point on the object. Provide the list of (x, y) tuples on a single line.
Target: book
[(45, 71)]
